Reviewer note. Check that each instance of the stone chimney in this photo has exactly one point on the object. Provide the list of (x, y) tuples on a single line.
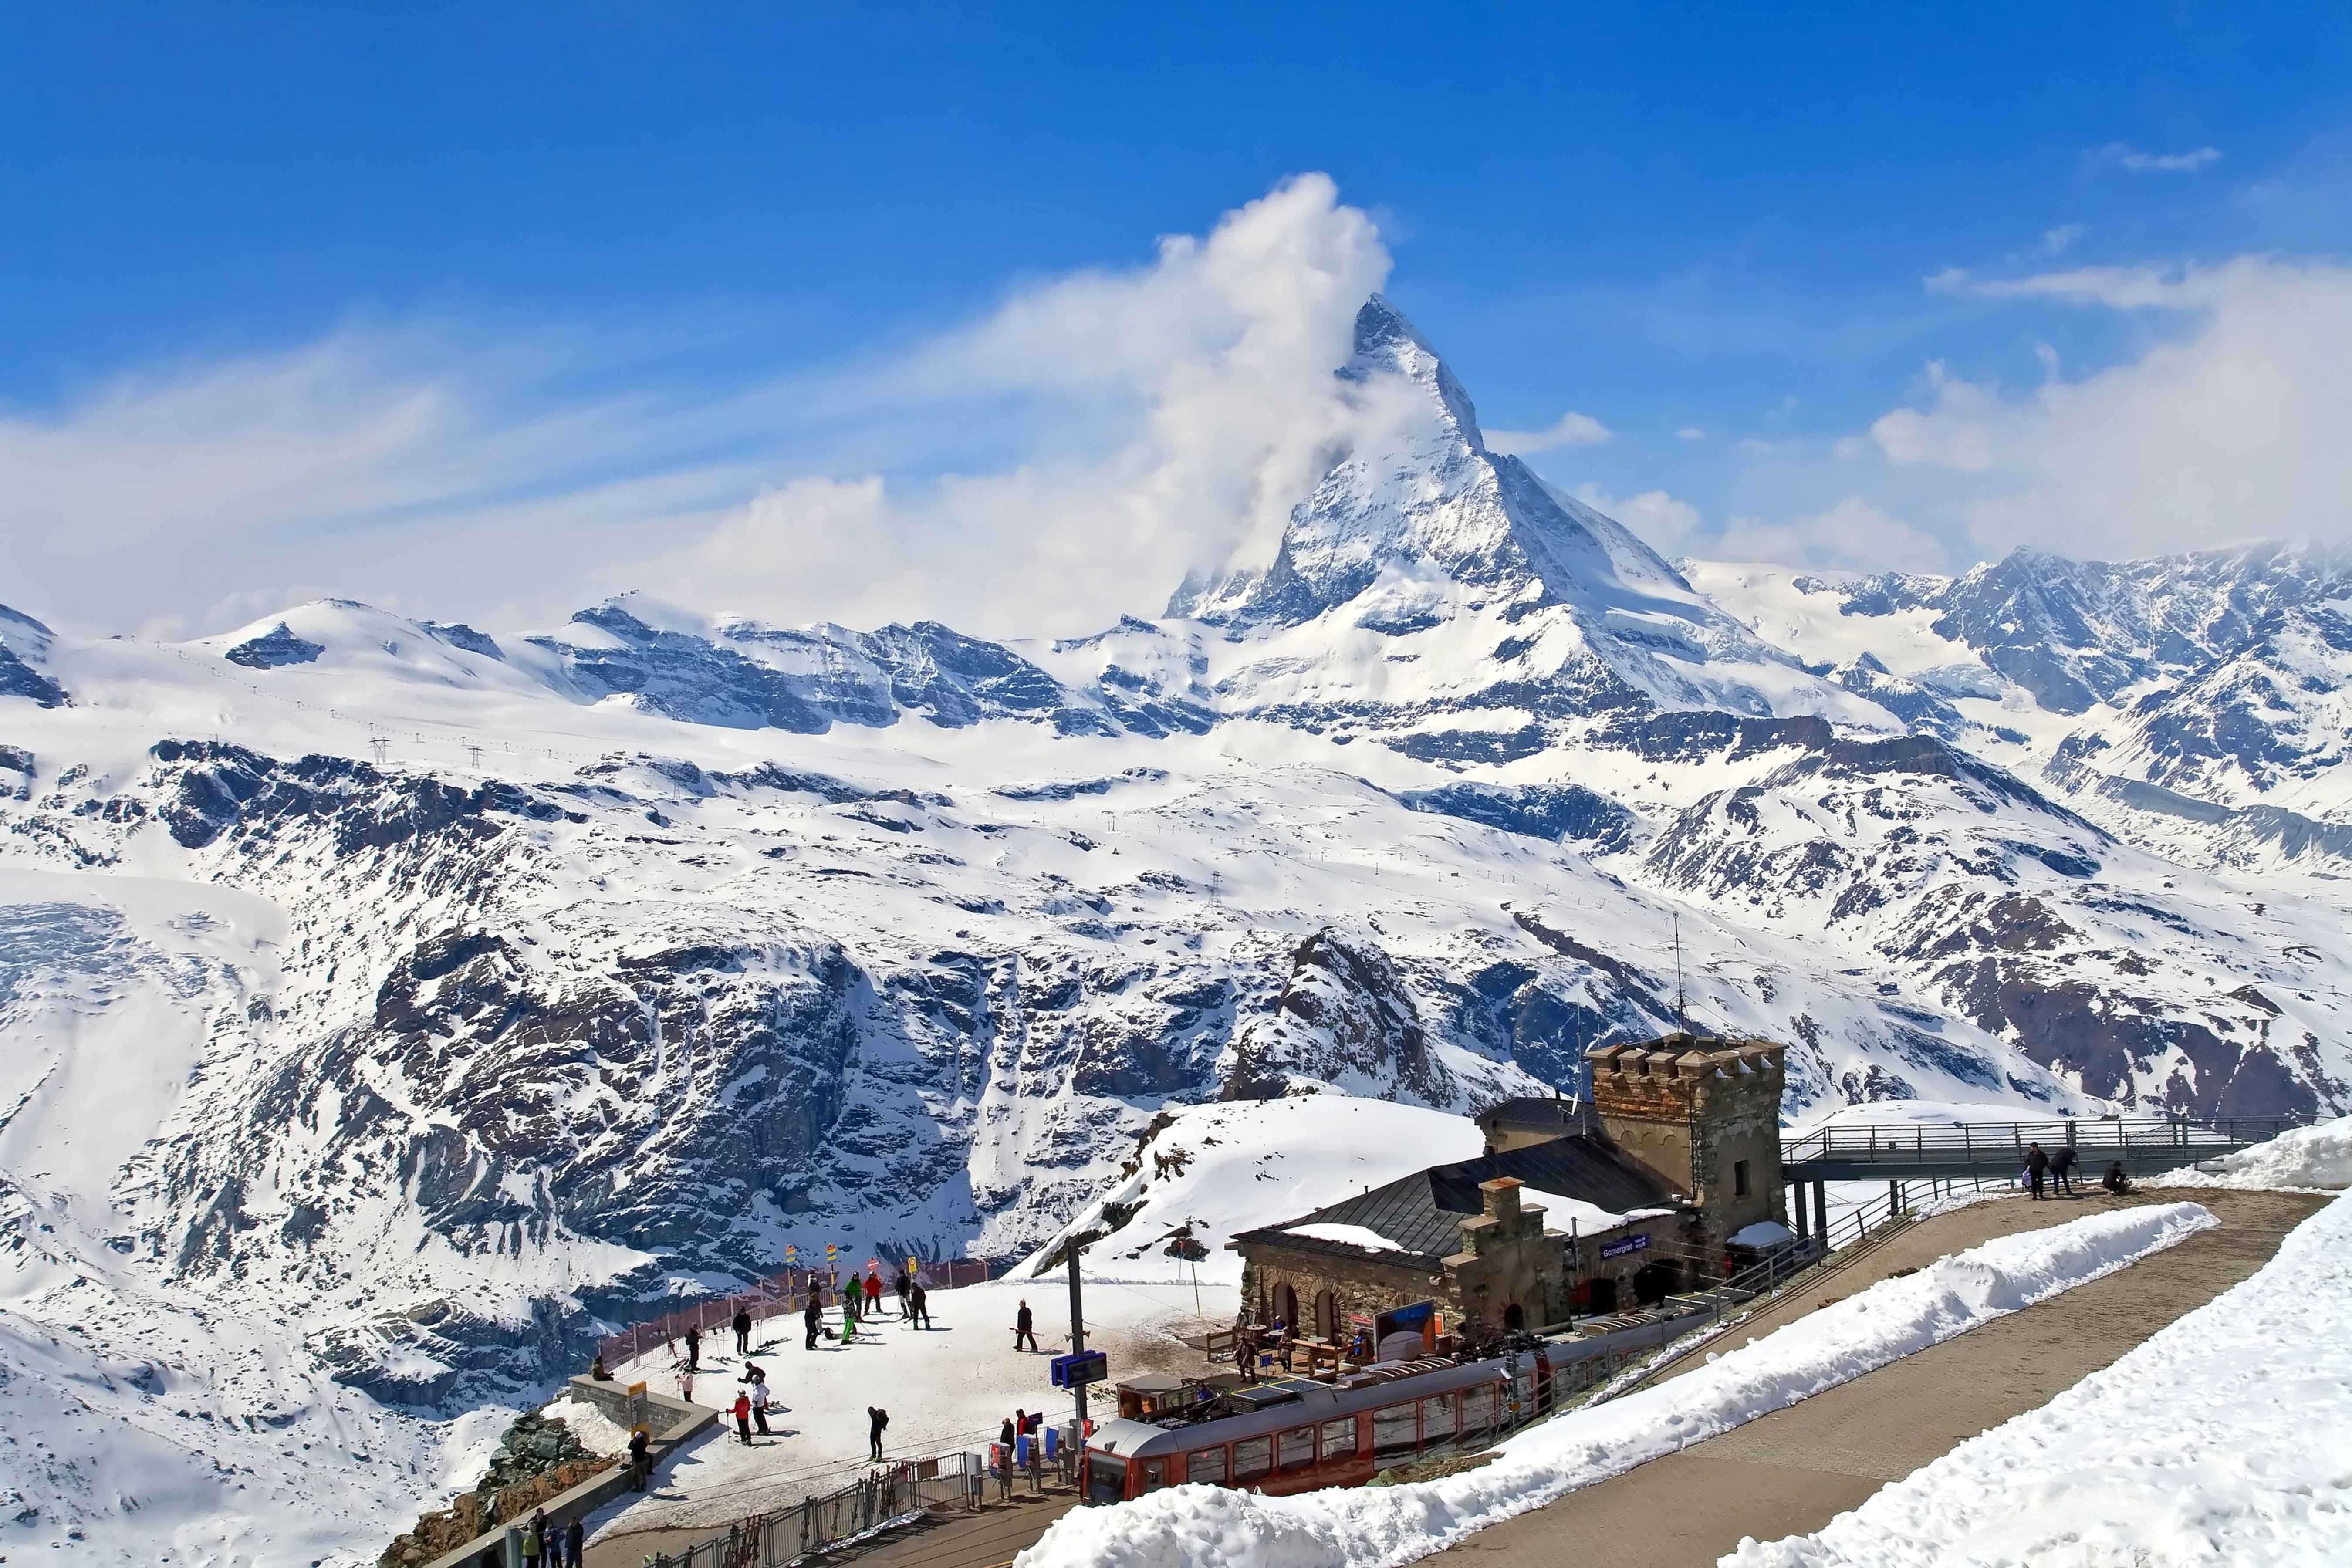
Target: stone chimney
[(1500, 1200)]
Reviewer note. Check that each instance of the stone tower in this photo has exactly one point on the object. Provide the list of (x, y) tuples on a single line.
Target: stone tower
[(1702, 1113)]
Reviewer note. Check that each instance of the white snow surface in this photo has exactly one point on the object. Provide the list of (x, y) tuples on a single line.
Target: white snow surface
[(1351, 1234), (947, 1388), (1208, 1527), (2302, 1159), (1248, 1163), (2224, 1439)]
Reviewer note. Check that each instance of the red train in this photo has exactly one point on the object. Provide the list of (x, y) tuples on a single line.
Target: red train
[(1298, 1435)]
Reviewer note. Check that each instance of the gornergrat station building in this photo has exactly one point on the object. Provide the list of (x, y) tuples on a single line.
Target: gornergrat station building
[(1670, 1172)]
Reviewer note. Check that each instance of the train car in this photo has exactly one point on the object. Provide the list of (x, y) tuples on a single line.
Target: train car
[(1299, 1435)]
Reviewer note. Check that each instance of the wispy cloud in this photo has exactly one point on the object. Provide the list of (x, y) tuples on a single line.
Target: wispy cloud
[(1067, 456), (2230, 425), (1571, 429), (2124, 155)]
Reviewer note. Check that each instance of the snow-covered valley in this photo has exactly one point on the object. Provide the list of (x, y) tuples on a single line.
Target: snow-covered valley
[(390, 1006)]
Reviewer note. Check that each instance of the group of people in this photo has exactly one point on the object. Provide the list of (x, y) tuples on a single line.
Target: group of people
[(752, 1402), (546, 1544), (2058, 1168)]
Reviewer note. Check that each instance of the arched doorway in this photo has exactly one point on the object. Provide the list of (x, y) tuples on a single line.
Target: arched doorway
[(1654, 1282), (1285, 1306), (1604, 1296), (1326, 1315), (1515, 1317)]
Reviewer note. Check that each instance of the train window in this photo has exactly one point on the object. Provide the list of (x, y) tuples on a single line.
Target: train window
[(1477, 1413), (1394, 1430), (1253, 1457), (1295, 1451), (1106, 1477), (1437, 1420), (1206, 1465), (1339, 1438), (1155, 1474)]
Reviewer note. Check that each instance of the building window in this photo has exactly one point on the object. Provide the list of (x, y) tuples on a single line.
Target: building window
[(1739, 1178)]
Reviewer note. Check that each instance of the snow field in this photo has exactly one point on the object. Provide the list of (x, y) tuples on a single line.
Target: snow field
[(945, 1388), (2226, 1438), (1205, 1527)]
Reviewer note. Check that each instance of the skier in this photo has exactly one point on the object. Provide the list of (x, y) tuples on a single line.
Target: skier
[(742, 1331), (874, 1295), (904, 1289), (686, 1385), (2036, 1163), (849, 1313), (2062, 1169), (876, 1419), (1024, 1327), (813, 1318), (922, 1306), (694, 1350), (742, 1413), (760, 1403)]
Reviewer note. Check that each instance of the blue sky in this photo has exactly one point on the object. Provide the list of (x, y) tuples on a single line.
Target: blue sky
[(481, 239)]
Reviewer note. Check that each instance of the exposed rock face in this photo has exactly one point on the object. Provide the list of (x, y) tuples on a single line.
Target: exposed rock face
[(1343, 1021), (273, 649), (23, 644)]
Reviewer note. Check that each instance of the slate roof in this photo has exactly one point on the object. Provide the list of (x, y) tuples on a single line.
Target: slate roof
[(1422, 1213), (1534, 1110)]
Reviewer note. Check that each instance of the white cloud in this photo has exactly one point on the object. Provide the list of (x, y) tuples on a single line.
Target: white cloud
[(2124, 155), (1571, 429), (1129, 425), (1690, 433), (1852, 533), (2229, 426), (1666, 524), (2055, 240)]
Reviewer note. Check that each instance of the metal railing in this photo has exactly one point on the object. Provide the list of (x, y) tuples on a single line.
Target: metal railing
[(887, 1497), (1998, 1141), (775, 1296)]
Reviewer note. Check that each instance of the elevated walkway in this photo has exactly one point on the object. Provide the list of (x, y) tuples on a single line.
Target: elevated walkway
[(1997, 1150)]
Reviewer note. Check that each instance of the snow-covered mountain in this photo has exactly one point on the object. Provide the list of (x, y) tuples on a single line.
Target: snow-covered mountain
[(414, 998)]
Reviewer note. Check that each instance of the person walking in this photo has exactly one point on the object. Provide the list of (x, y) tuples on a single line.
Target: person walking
[(876, 1419), (874, 1294), (742, 1413), (760, 1405), (531, 1541), (922, 1308), (1025, 1328), (742, 1331), (813, 1318), (1006, 1433), (686, 1385), (575, 1542), (2037, 1164), (694, 1350), (641, 1459), (2062, 1169)]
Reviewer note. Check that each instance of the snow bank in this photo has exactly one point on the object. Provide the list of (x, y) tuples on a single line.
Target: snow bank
[(598, 1433), (2306, 1159), (2226, 1438), (1375, 1526)]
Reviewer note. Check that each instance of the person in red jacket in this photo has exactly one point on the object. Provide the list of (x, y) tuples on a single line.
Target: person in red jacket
[(743, 1416), (874, 1295)]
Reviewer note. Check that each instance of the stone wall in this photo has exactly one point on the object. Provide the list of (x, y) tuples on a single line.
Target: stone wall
[(1694, 1111), (1361, 1284)]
